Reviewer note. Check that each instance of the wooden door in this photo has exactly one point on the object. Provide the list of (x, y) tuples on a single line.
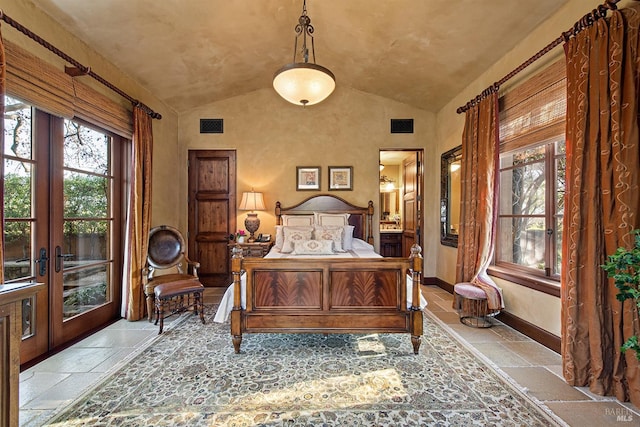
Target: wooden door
[(212, 212), (412, 202)]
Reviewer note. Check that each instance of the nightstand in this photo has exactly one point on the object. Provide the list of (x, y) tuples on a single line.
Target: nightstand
[(253, 250)]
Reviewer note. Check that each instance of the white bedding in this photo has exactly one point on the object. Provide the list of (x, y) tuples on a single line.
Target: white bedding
[(361, 249)]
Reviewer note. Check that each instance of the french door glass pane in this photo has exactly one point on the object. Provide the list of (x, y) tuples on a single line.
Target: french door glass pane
[(85, 195), (86, 149), (18, 250), (85, 288), (87, 219), (87, 241), (17, 129), (18, 220)]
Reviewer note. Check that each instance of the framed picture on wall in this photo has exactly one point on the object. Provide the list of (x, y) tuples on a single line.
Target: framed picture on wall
[(340, 178), (307, 178)]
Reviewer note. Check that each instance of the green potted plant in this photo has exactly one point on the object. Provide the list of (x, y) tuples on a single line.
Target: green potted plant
[(624, 268)]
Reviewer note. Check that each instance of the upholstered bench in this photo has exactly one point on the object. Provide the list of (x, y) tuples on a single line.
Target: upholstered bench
[(471, 303), (176, 297)]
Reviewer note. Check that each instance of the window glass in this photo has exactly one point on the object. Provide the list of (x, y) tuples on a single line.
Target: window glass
[(530, 208)]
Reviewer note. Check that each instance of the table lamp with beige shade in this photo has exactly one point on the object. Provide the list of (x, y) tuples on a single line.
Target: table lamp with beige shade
[(252, 201)]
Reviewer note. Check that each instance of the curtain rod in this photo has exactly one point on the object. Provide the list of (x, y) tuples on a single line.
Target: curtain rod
[(586, 21), (78, 69)]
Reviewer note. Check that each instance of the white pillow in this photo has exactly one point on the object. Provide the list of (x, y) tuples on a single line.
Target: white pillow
[(359, 244), (297, 220), (331, 219), (347, 237), (279, 237), (330, 233), (313, 247), (294, 234)]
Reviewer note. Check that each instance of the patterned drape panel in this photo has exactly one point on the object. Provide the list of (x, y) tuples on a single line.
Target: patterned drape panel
[(601, 204), (138, 217), (3, 69), (479, 198)]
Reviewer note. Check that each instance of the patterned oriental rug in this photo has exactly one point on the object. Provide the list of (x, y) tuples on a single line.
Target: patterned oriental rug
[(190, 376)]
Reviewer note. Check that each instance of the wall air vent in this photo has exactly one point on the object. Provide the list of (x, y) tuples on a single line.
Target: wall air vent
[(211, 126), (401, 125)]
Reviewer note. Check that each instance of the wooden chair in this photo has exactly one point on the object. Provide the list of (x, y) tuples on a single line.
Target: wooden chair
[(170, 279)]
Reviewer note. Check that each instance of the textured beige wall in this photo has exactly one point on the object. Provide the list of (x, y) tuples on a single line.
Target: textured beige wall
[(535, 307), (272, 137)]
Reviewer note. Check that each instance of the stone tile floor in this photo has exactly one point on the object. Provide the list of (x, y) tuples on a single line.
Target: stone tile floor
[(58, 380)]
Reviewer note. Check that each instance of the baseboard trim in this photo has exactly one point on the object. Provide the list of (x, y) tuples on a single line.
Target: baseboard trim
[(439, 283), (534, 332)]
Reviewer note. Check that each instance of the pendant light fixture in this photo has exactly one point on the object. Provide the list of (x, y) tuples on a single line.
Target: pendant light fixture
[(303, 82)]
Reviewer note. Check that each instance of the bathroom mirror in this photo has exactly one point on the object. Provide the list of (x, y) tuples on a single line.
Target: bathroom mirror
[(450, 186), (389, 204)]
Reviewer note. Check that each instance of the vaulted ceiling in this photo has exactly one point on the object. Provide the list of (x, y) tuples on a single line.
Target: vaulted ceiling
[(194, 52)]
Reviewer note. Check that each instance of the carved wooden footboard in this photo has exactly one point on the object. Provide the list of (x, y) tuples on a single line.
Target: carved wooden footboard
[(363, 295)]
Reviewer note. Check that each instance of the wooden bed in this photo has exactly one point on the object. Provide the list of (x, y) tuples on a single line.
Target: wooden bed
[(328, 295)]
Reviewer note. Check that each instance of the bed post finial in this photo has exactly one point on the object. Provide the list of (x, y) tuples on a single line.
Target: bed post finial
[(278, 213)]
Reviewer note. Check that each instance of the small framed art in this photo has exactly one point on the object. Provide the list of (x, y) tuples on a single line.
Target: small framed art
[(307, 178), (340, 178)]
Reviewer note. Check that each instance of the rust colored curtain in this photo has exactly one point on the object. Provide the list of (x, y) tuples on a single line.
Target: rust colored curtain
[(3, 69), (479, 198), (601, 203), (138, 217)]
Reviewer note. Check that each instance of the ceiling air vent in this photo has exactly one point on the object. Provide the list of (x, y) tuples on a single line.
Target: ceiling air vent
[(211, 126), (401, 125)]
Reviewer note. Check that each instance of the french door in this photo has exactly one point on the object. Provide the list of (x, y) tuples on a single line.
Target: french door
[(62, 207)]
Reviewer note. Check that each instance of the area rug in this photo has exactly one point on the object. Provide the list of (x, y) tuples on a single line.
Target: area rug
[(190, 376)]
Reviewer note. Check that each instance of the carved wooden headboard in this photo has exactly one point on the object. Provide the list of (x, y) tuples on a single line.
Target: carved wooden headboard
[(361, 217)]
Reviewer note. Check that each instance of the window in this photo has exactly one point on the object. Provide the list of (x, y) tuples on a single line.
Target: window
[(531, 202), (531, 179)]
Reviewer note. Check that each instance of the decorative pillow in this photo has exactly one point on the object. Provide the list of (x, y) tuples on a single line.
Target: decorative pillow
[(313, 247), (331, 219), (347, 237), (294, 234), (330, 233), (297, 220)]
